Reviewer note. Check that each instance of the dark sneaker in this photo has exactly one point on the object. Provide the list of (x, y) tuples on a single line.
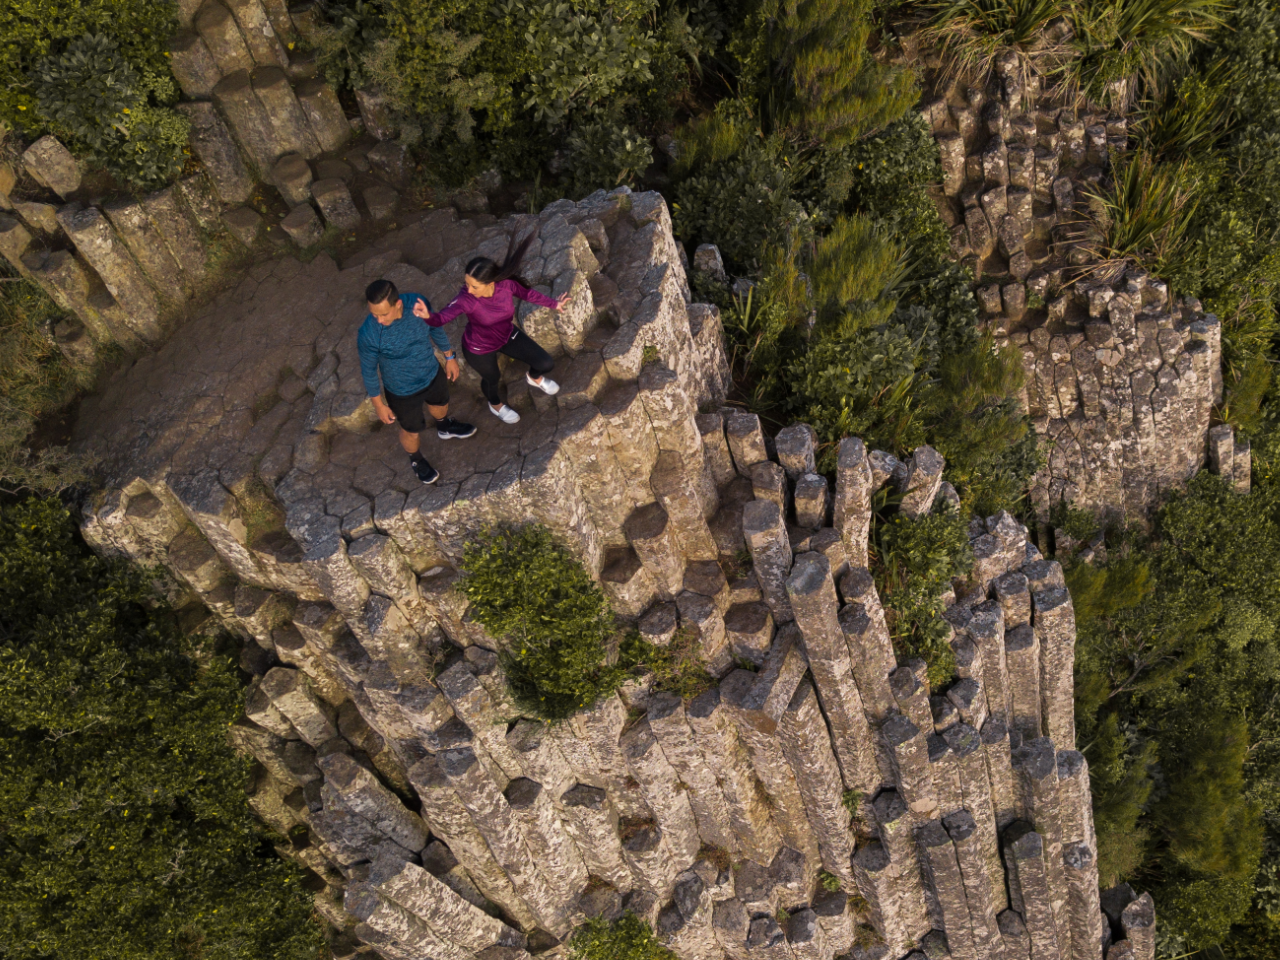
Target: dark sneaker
[(451, 429), (424, 471)]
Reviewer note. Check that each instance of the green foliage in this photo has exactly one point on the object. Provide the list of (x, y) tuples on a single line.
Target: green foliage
[(531, 593), (1176, 672), (350, 43), (35, 380), (1146, 213), (677, 668), (838, 91), (970, 33), (916, 560), (34, 30), (1201, 911), (627, 938), (852, 800), (110, 112), (126, 831), (607, 154), (830, 882)]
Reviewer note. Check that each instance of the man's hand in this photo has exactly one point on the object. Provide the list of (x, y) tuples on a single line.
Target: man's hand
[(420, 310), (562, 301), (383, 411), (451, 370)]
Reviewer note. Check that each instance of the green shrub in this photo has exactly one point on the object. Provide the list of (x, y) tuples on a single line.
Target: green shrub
[(1146, 213), (35, 380), (916, 560), (677, 668), (111, 113), (627, 938), (531, 593), (606, 154), (34, 30), (1201, 911), (970, 33), (127, 835)]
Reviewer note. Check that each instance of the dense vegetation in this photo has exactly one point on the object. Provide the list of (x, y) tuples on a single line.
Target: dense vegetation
[(124, 832), (787, 137), (1177, 675)]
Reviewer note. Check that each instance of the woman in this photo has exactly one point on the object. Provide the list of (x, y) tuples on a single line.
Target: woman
[(488, 302)]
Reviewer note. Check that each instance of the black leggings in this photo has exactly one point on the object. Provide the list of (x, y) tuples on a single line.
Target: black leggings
[(520, 347)]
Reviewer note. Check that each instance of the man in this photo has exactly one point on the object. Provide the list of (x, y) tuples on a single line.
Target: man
[(399, 346)]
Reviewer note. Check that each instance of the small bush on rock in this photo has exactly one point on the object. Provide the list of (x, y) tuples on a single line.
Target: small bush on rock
[(627, 938), (916, 560), (531, 593)]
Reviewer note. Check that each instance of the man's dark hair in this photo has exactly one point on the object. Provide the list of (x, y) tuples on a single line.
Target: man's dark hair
[(380, 291)]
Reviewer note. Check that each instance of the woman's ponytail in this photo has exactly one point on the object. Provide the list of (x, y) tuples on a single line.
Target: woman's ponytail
[(485, 270)]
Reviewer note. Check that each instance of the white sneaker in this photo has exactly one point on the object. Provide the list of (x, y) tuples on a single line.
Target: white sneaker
[(505, 413), (547, 385)]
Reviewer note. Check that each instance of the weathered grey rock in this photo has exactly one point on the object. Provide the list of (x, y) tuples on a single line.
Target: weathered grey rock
[(76, 288), (548, 841), (764, 529), (658, 785), (811, 500), (423, 895), (1139, 924), (102, 249), (1022, 655), (1054, 623), (749, 816), (651, 535), (806, 745), (376, 113), (795, 446), (292, 177), (290, 694), (682, 494), (324, 114), (1027, 854), (302, 225), (222, 38), (218, 153), (979, 889), (749, 630), (592, 822), (381, 202), (244, 223), (133, 226), (1085, 917), (193, 65), (769, 482), (170, 219), (336, 204), (259, 34), (669, 724), (249, 122), (1013, 933), (493, 819), (746, 440), (291, 132), (852, 502), (942, 871), (51, 165), (909, 754), (390, 161), (364, 795)]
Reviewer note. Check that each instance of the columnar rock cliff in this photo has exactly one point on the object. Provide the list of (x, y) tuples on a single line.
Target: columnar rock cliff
[(1120, 380), (820, 801)]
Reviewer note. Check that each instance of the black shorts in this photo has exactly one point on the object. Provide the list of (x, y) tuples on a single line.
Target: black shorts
[(408, 410)]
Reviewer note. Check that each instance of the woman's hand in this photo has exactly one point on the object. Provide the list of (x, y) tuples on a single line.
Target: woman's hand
[(451, 370), (420, 310), (561, 302)]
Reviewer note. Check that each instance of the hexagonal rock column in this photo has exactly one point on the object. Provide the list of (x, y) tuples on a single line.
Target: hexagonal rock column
[(193, 65), (218, 152), (324, 113), (336, 204), (99, 245), (222, 37), (248, 120), (51, 165), (134, 227), (259, 35)]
